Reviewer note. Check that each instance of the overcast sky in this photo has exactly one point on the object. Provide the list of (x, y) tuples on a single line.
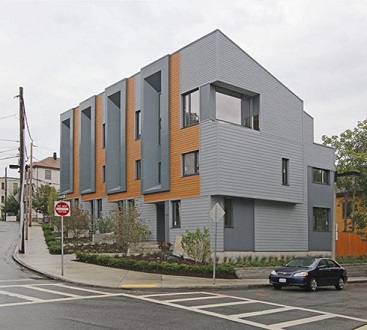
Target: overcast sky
[(63, 52)]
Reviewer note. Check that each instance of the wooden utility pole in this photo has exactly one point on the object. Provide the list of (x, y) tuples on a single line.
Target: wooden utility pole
[(21, 170), (30, 196), (6, 191)]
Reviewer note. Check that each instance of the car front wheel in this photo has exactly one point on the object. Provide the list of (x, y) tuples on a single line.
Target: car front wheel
[(340, 285), (312, 285)]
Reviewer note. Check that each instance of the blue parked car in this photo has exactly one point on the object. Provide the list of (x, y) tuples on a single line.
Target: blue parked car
[(309, 273)]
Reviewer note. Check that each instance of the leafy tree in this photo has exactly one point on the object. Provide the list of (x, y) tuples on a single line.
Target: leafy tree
[(197, 244), (43, 196), (11, 206), (128, 228), (351, 155)]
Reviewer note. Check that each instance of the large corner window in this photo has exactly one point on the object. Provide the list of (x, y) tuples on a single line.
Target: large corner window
[(237, 108), (320, 176), (320, 219), (285, 171), (176, 214), (191, 108), (190, 162)]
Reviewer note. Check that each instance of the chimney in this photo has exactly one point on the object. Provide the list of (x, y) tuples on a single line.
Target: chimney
[(55, 156)]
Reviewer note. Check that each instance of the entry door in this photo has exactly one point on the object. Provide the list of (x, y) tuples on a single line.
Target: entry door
[(161, 227)]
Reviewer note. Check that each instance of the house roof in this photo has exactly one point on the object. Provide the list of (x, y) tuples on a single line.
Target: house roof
[(48, 162)]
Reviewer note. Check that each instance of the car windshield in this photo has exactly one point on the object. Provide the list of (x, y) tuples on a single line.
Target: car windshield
[(302, 262)]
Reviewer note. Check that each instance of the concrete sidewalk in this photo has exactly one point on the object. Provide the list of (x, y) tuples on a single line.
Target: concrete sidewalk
[(38, 259)]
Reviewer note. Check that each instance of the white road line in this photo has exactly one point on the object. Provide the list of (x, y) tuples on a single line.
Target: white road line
[(37, 288), (177, 294), (20, 296), (264, 312), (307, 320), (234, 303), (191, 299), (20, 280)]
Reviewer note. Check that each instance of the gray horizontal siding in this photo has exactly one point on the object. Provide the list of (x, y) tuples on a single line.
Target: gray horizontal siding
[(149, 214), (280, 226), (244, 163)]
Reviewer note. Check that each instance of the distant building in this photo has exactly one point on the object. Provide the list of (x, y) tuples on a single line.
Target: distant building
[(206, 124), (9, 186), (47, 172)]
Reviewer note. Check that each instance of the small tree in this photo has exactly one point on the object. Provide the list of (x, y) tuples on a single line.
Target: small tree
[(77, 223), (11, 205), (128, 228), (197, 244), (41, 199)]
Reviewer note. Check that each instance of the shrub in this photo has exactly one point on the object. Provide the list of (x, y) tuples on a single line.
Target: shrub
[(197, 244), (102, 225)]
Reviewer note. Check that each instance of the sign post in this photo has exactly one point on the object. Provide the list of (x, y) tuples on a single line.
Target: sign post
[(62, 209), (216, 213)]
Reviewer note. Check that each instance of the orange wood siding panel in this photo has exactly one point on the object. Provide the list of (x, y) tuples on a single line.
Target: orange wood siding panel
[(76, 156), (133, 147), (100, 153), (182, 140), (350, 244)]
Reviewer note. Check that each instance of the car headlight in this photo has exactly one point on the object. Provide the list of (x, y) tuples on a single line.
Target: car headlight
[(273, 272), (301, 274)]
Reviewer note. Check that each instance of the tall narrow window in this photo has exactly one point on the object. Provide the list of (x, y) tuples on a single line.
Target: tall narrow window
[(191, 108), (103, 173), (103, 136), (320, 219), (159, 172), (137, 124), (131, 203), (228, 213), (176, 214), (190, 162), (285, 170), (138, 169), (2, 185), (99, 208)]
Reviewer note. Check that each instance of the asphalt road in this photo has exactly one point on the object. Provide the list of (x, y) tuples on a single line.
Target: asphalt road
[(28, 301)]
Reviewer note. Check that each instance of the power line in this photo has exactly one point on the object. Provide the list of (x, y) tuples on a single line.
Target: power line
[(14, 115)]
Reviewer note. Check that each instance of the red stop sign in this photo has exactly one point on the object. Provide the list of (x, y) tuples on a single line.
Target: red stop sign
[(62, 209)]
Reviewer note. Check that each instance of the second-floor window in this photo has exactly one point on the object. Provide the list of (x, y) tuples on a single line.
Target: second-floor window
[(191, 108), (320, 176), (137, 124), (190, 163), (237, 108), (138, 169), (47, 174)]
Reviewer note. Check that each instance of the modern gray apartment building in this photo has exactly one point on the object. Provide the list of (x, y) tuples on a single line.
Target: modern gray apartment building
[(206, 124)]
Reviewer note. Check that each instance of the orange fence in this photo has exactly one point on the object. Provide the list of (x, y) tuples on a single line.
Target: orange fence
[(350, 244)]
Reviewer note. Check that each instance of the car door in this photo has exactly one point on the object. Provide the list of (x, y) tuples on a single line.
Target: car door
[(335, 272), (323, 273)]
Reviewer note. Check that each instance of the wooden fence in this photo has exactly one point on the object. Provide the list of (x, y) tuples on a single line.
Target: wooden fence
[(350, 244)]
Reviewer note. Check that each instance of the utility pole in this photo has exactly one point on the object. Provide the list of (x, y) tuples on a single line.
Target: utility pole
[(21, 170), (30, 187), (6, 190)]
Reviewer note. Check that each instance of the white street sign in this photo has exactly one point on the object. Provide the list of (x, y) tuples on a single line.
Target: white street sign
[(216, 213)]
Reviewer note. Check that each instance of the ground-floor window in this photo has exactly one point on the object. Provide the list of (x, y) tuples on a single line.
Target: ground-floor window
[(320, 219), (176, 214)]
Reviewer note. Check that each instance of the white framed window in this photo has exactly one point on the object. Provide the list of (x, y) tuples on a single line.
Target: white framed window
[(321, 219), (320, 176), (285, 171)]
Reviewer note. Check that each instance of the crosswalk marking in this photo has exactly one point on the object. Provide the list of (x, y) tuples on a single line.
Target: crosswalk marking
[(243, 318), (20, 296)]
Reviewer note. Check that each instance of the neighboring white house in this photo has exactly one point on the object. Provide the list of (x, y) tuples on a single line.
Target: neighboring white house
[(47, 171), (9, 185)]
